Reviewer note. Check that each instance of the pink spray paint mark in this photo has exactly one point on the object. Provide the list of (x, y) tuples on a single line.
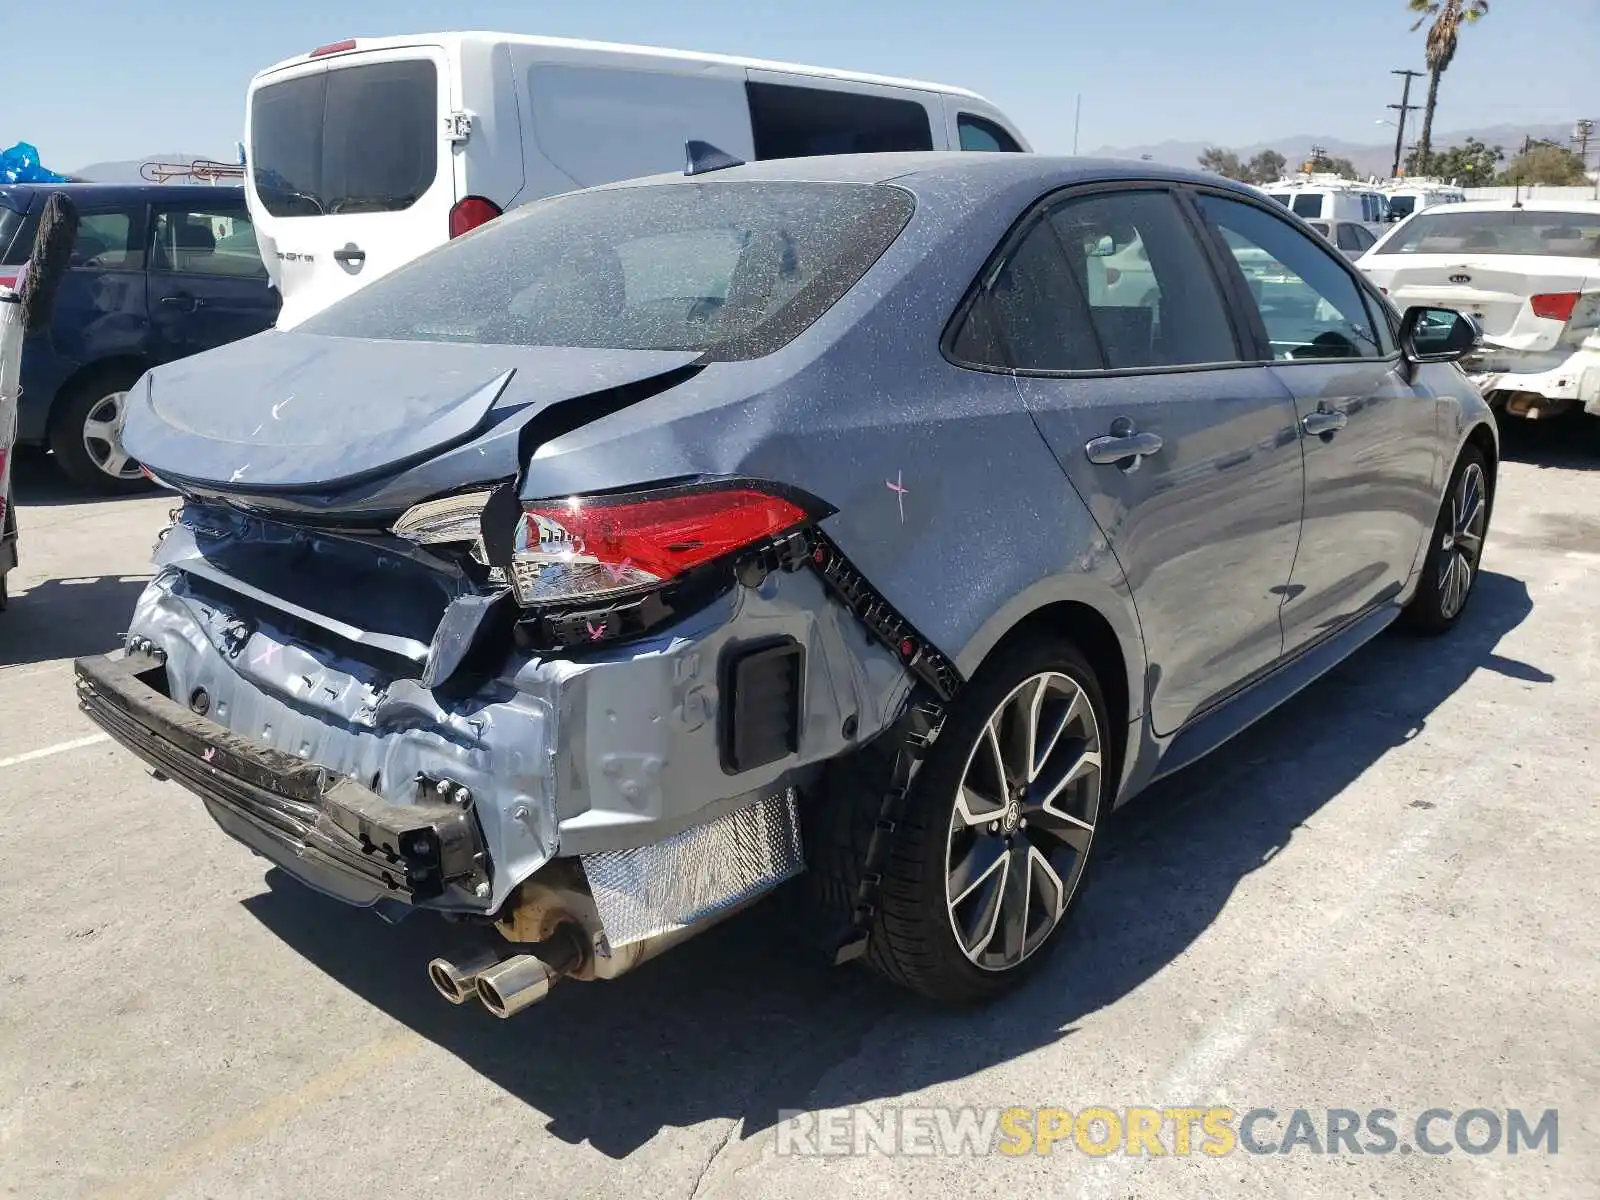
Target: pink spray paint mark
[(618, 571), (211, 753), (596, 632), (900, 490)]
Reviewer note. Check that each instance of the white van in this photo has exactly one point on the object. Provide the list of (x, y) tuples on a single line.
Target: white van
[(364, 154), (1405, 199), (1333, 199)]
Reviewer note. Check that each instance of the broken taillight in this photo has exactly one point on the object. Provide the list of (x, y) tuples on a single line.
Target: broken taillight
[(1554, 306), (590, 548)]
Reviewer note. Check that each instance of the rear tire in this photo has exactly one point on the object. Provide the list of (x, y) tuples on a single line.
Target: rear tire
[(1455, 549), (986, 864), (86, 434)]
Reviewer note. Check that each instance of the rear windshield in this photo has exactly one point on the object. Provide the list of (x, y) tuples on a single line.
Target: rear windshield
[(1499, 231), (348, 140), (736, 270), (1402, 206)]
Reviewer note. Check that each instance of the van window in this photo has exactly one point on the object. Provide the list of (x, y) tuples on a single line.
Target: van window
[(1308, 204), (736, 270), (979, 134), (798, 122), (353, 139), (600, 124)]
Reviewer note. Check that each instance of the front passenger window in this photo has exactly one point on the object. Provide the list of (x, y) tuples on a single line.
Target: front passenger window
[(1310, 306)]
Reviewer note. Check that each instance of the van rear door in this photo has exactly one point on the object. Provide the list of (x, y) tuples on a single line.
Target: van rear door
[(350, 170)]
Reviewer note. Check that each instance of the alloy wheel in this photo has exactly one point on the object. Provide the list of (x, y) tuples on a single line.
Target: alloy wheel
[(1023, 820), (102, 437), (1462, 545)]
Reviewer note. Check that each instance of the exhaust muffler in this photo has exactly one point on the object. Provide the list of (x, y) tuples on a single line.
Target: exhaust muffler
[(525, 979), (457, 981)]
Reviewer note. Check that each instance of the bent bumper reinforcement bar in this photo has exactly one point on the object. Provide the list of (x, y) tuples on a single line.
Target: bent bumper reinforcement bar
[(289, 808)]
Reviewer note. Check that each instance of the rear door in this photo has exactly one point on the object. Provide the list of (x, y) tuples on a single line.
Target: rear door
[(350, 170), (1188, 458), (207, 285), (1371, 442)]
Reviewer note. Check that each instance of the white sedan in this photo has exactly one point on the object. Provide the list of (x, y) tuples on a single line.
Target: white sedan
[(1528, 274)]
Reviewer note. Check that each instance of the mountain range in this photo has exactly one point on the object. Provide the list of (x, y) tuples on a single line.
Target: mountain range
[(1369, 158)]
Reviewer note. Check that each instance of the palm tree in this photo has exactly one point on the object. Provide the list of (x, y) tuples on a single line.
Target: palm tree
[(1443, 35)]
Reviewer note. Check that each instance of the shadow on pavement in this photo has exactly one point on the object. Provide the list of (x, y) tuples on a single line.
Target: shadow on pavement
[(65, 618), (36, 480), (738, 1023), (1568, 443)]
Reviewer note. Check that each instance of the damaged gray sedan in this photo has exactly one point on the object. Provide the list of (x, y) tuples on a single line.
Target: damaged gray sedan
[(863, 519)]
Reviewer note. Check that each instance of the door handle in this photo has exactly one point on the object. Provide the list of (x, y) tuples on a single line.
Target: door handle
[(350, 254), (184, 301), (1324, 423), (1123, 445)]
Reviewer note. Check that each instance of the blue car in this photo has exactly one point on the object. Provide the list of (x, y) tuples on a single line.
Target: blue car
[(158, 272)]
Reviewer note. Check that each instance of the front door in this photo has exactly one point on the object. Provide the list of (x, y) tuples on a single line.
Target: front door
[(207, 285), (1188, 458), (1371, 460)]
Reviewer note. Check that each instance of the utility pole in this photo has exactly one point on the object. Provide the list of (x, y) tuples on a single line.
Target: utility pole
[(1582, 131), (1405, 106)]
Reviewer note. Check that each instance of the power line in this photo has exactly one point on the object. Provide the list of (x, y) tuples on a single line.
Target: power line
[(1405, 106)]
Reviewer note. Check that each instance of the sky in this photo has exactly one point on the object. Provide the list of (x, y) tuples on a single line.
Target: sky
[(100, 80)]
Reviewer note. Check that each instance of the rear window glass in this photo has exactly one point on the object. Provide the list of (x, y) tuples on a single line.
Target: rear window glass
[(1401, 206), (348, 140), (1308, 204), (799, 122), (1499, 231), (736, 270)]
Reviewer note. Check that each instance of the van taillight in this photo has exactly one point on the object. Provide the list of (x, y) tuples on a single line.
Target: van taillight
[(470, 213), (334, 48)]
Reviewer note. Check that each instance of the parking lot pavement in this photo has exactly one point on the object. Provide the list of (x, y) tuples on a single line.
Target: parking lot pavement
[(1380, 897)]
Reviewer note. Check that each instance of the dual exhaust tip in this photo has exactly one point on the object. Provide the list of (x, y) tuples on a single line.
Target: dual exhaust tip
[(506, 986)]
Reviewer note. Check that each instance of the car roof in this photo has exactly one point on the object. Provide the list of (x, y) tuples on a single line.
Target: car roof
[(121, 193), (947, 167), (490, 37)]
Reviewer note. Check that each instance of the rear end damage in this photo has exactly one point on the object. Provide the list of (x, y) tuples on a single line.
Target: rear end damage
[(586, 728)]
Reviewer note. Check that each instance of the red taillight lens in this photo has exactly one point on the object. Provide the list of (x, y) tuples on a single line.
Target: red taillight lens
[(584, 548), (1555, 306), (334, 48), (7, 279), (470, 213)]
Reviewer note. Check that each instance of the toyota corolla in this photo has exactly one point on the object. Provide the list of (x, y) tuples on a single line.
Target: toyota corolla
[(657, 544)]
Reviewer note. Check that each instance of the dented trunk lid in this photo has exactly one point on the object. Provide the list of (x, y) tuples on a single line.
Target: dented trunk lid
[(1495, 291), (294, 412)]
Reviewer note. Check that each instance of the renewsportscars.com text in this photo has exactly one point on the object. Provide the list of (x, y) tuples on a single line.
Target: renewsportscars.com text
[(1098, 1131)]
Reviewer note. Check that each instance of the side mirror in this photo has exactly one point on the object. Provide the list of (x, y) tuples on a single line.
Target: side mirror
[(1438, 335)]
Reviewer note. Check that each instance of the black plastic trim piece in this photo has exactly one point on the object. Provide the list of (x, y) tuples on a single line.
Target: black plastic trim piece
[(763, 690)]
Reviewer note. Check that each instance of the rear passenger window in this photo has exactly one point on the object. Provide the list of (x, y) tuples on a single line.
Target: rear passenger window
[(1310, 306), (1308, 205), (1152, 299), (216, 241), (799, 122), (106, 241), (1348, 237), (979, 134), (1037, 309)]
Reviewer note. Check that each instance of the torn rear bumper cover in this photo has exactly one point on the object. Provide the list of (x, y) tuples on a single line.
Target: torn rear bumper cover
[(326, 828)]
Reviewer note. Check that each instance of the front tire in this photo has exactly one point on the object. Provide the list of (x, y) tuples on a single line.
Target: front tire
[(999, 828), (86, 434), (1455, 549)]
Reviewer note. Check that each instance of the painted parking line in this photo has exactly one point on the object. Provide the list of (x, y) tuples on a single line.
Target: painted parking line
[(94, 739)]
